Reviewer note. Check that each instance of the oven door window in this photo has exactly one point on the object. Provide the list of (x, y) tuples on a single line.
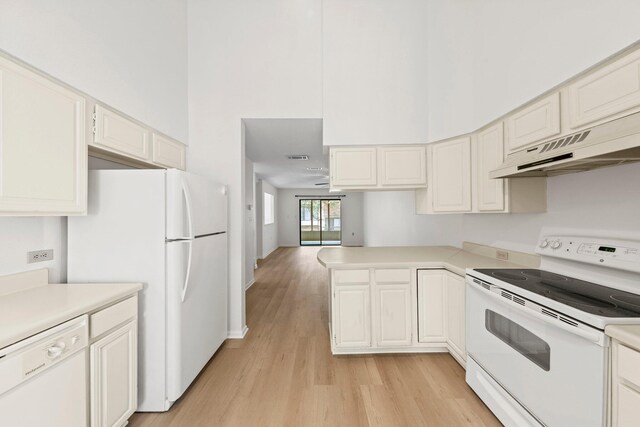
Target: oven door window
[(520, 339)]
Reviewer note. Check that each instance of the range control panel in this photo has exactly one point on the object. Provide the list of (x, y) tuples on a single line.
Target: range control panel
[(619, 254)]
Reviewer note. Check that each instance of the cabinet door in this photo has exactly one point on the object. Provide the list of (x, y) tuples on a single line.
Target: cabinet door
[(534, 123), (352, 316), (490, 149), (455, 305), (353, 167), (606, 92), (392, 314), (117, 133), (43, 151), (402, 166), (167, 152), (114, 377), (451, 168), (431, 321), (627, 411)]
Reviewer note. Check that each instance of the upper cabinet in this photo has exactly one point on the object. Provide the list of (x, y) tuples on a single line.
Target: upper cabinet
[(450, 172), (378, 168), (43, 149), (490, 155), (605, 93), (115, 132), (533, 123), (167, 152), (374, 72)]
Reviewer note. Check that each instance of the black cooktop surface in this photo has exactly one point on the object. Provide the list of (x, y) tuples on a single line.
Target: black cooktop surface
[(585, 296)]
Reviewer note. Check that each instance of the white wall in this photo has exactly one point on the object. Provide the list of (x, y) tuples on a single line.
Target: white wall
[(289, 216), (128, 54), (269, 231), (250, 221), (247, 59), (487, 58)]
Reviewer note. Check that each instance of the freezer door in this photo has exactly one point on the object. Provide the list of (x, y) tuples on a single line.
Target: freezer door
[(196, 206), (196, 307)]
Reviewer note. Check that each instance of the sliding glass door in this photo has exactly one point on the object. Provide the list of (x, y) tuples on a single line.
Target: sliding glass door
[(320, 222)]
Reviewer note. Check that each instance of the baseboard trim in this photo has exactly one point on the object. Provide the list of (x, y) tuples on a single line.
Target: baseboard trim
[(250, 284), (238, 335)]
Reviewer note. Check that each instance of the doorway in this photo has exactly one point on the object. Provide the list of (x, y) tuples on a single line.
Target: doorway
[(320, 222)]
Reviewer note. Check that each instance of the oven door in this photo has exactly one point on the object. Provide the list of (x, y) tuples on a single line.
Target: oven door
[(556, 373)]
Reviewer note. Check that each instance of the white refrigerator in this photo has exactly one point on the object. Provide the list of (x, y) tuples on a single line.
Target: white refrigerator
[(166, 229)]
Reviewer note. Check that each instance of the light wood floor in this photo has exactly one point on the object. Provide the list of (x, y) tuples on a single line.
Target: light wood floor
[(283, 373)]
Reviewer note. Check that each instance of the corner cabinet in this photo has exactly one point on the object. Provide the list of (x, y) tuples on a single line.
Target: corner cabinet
[(43, 151), (114, 361), (378, 167), (450, 166)]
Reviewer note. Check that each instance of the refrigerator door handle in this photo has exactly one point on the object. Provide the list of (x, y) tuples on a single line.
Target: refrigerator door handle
[(187, 203), (183, 294)]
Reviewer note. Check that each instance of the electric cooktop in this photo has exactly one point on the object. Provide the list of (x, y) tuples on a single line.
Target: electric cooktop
[(579, 294)]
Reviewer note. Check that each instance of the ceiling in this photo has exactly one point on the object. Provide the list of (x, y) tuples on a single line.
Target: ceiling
[(268, 142)]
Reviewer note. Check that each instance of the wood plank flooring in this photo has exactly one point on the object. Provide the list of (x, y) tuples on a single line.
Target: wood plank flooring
[(283, 373)]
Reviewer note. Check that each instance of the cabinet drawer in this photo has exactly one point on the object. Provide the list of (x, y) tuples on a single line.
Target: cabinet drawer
[(393, 275), (351, 276), (534, 123), (113, 316), (167, 152), (606, 92), (629, 365)]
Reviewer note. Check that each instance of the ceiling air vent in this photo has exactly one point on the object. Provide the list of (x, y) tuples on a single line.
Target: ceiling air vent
[(563, 142), (298, 157)]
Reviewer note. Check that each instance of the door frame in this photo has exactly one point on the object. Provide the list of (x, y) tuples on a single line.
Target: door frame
[(320, 221)]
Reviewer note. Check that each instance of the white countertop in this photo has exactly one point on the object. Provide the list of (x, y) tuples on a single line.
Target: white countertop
[(24, 313), (451, 258), (626, 334)]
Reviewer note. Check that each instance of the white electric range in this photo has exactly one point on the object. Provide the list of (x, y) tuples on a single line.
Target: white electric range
[(538, 354)]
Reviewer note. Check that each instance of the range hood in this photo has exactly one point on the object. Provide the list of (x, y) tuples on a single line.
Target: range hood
[(613, 143)]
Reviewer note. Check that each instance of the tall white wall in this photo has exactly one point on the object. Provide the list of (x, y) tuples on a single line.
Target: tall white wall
[(129, 54), (487, 58), (351, 216), (247, 59)]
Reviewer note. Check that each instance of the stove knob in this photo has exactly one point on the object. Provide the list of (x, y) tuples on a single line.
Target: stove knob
[(544, 243), (556, 244)]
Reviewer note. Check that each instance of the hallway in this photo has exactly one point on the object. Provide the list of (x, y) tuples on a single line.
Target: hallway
[(283, 372)]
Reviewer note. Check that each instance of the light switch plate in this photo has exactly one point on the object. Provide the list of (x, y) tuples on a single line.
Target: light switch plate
[(503, 255), (39, 256)]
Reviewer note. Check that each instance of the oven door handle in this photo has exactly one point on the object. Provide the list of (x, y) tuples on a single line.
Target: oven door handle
[(588, 335)]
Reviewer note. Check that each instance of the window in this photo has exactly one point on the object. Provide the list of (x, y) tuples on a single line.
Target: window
[(269, 209)]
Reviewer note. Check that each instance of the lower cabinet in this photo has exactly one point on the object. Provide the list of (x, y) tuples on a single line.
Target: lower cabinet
[(352, 315), (113, 364), (625, 387), (392, 312), (441, 310)]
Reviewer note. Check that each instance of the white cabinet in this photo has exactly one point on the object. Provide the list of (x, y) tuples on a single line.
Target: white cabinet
[(114, 377), (431, 312), (167, 152), (378, 167), (353, 167), (606, 92), (490, 154), (625, 385), (115, 132), (114, 361), (352, 315), (533, 123), (392, 314), (43, 152), (455, 320), (450, 175), (402, 166)]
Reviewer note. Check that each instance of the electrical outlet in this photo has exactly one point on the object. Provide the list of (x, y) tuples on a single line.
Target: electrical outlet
[(503, 255), (40, 256)]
